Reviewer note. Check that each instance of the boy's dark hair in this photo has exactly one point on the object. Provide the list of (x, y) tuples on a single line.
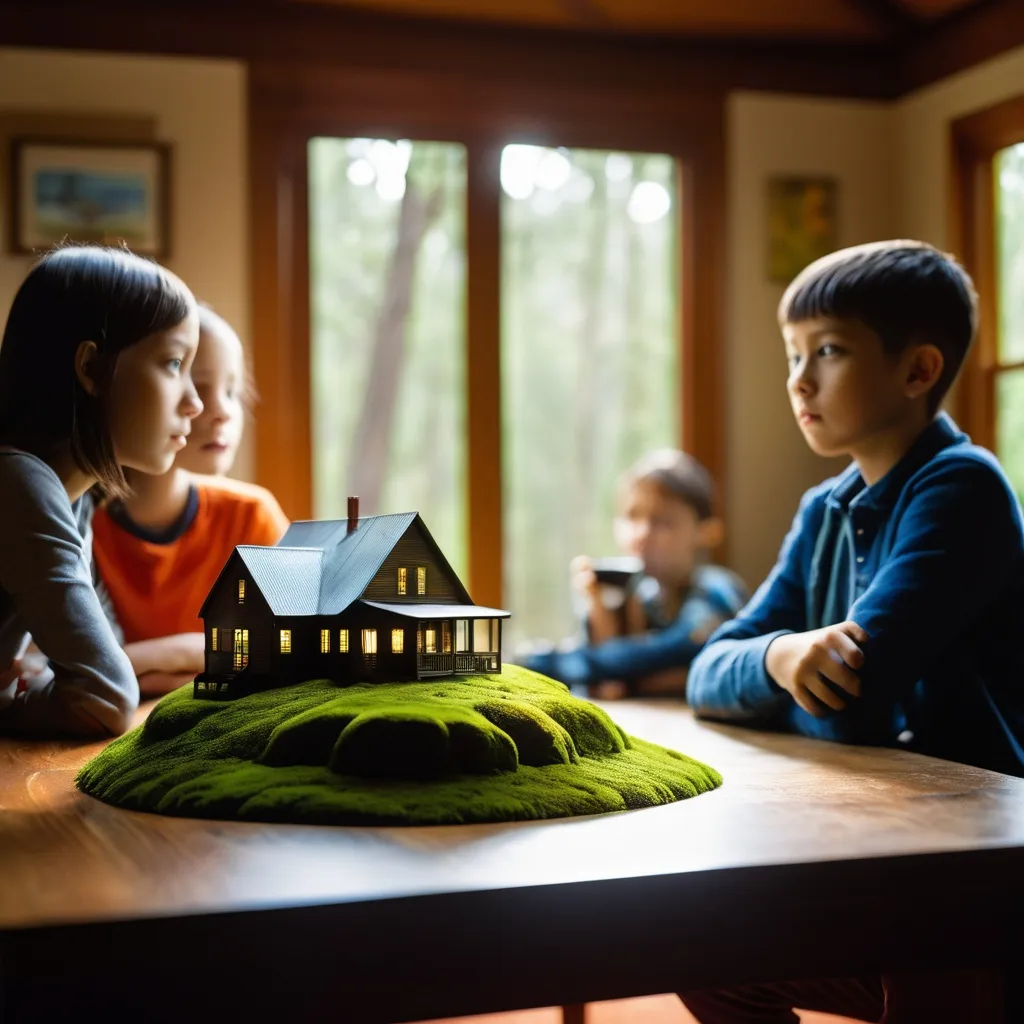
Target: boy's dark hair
[(79, 293), (678, 474), (907, 292)]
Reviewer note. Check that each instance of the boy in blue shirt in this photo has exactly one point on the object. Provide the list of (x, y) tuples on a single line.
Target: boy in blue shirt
[(666, 521), (895, 612)]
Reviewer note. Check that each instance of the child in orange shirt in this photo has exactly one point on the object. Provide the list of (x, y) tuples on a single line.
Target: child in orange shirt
[(159, 551)]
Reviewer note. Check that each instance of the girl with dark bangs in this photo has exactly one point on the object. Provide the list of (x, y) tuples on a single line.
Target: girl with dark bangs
[(94, 378)]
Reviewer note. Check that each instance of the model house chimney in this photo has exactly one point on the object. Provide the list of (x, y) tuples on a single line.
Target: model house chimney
[(353, 514)]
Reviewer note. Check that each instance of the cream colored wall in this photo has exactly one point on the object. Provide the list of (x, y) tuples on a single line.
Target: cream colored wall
[(922, 132), (200, 107), (769, 466)]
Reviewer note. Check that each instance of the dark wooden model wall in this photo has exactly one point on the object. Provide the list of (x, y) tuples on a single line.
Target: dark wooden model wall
[(223, 611), (410, 552), (305, 660)]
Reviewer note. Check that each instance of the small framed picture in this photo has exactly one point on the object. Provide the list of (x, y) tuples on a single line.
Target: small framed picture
[(801, 224), (109, 192)]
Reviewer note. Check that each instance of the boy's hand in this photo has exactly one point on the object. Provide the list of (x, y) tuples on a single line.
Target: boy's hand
[(583, 577), (799, 661)]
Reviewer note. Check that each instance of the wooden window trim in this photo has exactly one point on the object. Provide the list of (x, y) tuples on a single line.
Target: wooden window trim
[(290, 103), (975, 141)]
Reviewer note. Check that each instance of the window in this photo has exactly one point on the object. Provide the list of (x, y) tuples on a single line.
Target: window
[(369, 641), (397, 641), (387, 300), (325, 641), (989, 189), (482, 638), (430, 638), (421, 580), (240, 652), (403, 581), (343, 641), (380, 209), (461, 635), (590, 366), (213, 638), (241, 591), (420, 648), (1008, 365), (446, 638), (286, 641)]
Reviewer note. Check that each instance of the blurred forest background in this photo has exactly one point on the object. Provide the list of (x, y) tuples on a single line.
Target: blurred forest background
[(1009, 169), (590, 367)]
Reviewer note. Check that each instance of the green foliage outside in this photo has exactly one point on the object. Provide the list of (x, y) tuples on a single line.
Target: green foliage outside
[(590, 374), (513, 746), (1009, 169)]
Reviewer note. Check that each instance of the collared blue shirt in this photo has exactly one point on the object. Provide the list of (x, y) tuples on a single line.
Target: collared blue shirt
[(715, 595), (929, 561)]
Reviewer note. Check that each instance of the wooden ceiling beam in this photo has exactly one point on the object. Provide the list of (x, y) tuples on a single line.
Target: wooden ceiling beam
[(332, 36), (961, 40), (896, 21), (269, 30)]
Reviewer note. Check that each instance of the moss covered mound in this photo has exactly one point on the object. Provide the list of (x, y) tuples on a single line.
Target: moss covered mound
[(503, 747)]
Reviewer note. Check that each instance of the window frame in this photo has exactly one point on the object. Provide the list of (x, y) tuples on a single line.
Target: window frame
[(976, 141), (290, 104)]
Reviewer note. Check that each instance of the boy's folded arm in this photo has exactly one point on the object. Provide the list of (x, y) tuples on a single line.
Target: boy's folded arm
[(728, 678), (951, 558), (626, 657)]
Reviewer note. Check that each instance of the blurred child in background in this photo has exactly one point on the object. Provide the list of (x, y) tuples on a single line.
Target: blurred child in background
[(672, 603), (159, 550)]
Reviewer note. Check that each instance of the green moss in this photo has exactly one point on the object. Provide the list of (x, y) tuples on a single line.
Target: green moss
[(483, 748)]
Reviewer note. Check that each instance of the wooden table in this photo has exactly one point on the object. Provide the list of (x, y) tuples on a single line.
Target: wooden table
[(812, 859)]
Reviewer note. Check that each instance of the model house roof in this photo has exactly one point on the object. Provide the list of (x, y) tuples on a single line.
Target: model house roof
[(288, 578), (320, 567)]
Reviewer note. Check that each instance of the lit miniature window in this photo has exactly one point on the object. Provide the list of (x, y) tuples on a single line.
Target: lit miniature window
[(482, 636), (343, 641), (369, 641), (213, 639), (241, 591), (240, 651), (325, 641), (431, 641), (421, 580), (286, 641), (419, 641), (461, 636), (446, 638), (397, 641), (403, 580)]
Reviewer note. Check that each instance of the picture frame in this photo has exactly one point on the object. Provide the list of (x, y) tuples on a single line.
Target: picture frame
[(802, 215), (87, 191)]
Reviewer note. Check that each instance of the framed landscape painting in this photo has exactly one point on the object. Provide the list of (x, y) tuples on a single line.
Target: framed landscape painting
[(89, 192), (801, 224)]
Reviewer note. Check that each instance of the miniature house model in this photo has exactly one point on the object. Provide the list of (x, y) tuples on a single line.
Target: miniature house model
[(355, 599)]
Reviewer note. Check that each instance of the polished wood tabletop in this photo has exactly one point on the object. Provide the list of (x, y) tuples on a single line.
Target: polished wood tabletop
[(812, 858)]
